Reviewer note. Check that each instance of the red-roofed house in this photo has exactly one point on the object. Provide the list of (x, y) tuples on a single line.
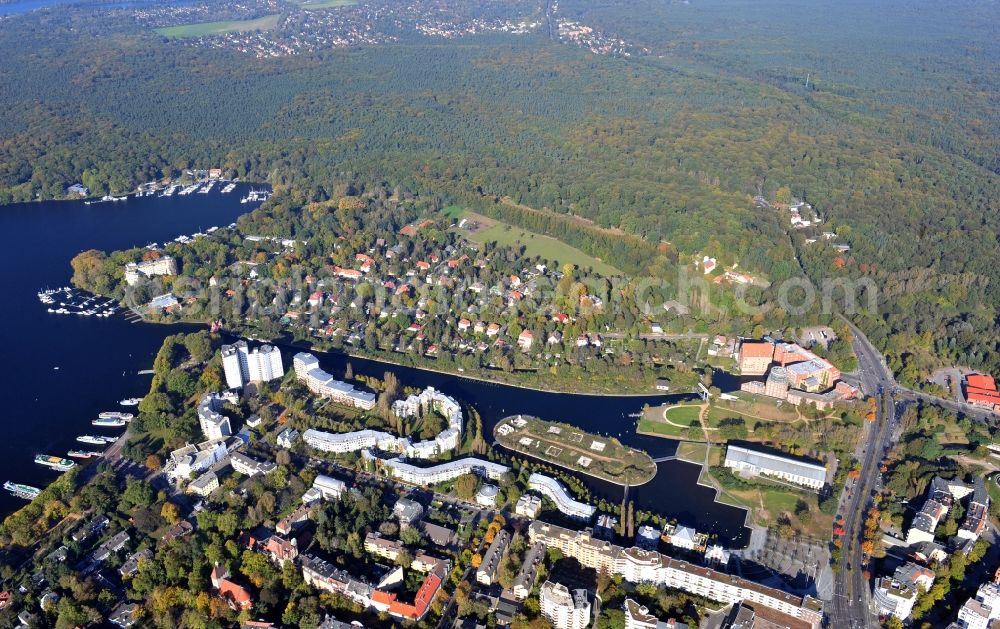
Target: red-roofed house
[(463, 324), (281, 549), (235, 594), (525, 339)]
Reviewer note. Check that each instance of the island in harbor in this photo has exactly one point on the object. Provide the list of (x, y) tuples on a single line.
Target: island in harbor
[(575, 449)]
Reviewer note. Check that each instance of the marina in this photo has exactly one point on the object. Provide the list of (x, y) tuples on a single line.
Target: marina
[(50, 234), (67, 300)]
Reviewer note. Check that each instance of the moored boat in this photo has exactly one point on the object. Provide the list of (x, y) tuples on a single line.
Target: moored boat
[(26, 492), (54, 462)]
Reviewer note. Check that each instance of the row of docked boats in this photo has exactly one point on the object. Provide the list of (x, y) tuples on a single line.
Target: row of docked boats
[(66, 300), (107, 419)]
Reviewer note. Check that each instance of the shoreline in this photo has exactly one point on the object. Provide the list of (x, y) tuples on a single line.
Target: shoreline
[(388, 361)]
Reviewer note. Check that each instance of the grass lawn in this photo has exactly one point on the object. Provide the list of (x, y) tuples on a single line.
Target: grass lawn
[(683, 415), (324, 4), (692, 452), (751, 411), (651, 426), (535, 244), (201, 29)]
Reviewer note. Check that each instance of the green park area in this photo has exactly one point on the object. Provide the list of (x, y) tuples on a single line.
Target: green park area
[(487, 229), (673, 421), (201, 29), (574, 449)]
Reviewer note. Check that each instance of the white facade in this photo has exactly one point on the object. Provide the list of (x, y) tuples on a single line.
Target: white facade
[(321, 383), (641, 566), (528, 506), (250, 466), (340, 443), (242, 365), (755, 462), (445, 472), (554, 491), (213, 424), (564, 609), (161, 266), (324, 488), (195, 458)]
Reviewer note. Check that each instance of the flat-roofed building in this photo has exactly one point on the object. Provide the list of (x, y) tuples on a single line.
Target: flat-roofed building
[(641, 566), (560, 496), (565, 609), (250, 466), (793, 470), (444, 472), (308, 372)]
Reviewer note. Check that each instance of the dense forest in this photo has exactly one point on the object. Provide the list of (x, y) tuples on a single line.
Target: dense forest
[(883, 117)]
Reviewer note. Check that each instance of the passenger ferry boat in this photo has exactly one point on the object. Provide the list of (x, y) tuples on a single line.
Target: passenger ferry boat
[(26, 492), (91, 439), (54, 462), (82, 454), (132, 401), (116, 415), (109, 423)]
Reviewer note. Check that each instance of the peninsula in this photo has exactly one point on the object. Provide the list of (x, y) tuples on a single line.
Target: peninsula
[(574, 449)]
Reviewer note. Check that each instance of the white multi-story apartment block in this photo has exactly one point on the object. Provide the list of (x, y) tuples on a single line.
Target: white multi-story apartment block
[(195, 458), (554, 491), (321, 383), (250, 466), (214, 424), (444, 472), (165, 265), (893, 598), (528, 506), (641, 566), (428, 400), (340, 443), (564, 609), (242, 365)]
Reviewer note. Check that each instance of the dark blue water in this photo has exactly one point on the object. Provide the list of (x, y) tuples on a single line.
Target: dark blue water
[(673, 491), (45, 409), (23, 6)]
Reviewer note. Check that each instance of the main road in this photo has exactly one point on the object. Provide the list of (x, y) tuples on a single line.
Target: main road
[(851, 603)]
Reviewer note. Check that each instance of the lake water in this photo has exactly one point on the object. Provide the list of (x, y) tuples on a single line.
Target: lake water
[(23, 6), (45, 408), (98, 359)]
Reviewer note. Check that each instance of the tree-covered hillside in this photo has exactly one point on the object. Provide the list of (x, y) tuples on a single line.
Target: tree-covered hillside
[(884, 118)]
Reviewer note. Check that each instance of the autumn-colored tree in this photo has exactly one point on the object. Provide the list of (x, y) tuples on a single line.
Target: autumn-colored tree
[(152, 462), (170, 513)]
